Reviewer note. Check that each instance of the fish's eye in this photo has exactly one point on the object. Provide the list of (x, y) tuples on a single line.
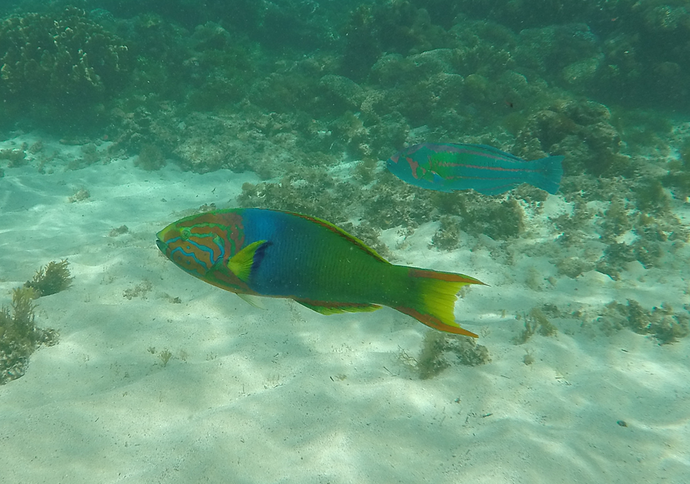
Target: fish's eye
[(185, 233)]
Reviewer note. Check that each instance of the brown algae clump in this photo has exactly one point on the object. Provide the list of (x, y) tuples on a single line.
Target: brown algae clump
[(51, 279), (19, 336), (535, 322), (437, 351), (662, 322)]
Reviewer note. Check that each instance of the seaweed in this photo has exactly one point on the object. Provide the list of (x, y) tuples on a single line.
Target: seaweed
[(51, 279), (431, 360), (535, 322), (666, 325), (19, 336), (165, 356), (650, 197), (573, 266), (140, 290), (81, 195), (678, 176), (447, 237), (616, 221), (436, 348), (528, 358), (498, 219), (466, 350), (616, 255), (122, 229)]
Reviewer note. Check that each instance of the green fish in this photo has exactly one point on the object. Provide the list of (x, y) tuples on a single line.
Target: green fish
[(282, 254)]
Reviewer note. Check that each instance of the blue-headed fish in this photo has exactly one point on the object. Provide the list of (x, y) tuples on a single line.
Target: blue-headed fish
[(449, 167), (282, 254)]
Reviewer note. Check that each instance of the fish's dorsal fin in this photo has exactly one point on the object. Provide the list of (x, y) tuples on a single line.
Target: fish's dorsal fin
[(241, 263), (354, 240)]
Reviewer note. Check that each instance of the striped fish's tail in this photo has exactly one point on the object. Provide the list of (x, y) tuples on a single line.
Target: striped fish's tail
[(433, 299), (548, 177)]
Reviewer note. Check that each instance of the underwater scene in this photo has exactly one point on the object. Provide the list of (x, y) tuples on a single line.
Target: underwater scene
[(387, 241)]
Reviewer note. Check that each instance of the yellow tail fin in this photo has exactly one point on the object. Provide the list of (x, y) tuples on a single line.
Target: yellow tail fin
[(436, 295)]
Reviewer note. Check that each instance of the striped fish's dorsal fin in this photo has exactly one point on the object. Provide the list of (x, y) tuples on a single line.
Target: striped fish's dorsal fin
[(343, 234), (241, 263)]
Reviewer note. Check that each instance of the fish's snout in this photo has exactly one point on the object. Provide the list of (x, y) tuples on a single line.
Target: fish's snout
[(161, 245), (161, 241)]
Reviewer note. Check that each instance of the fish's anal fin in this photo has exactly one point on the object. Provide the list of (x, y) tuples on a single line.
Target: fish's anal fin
[(252, 300), (241, 263), (337, 308)]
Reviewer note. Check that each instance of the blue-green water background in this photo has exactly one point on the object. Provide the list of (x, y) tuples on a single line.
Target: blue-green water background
[(300, 92)]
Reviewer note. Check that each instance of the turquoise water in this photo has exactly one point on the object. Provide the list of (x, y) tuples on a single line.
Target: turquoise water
[(119, 118)]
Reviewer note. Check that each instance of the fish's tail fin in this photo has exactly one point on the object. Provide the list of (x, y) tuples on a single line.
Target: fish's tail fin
[(432, 298), (548, 176)]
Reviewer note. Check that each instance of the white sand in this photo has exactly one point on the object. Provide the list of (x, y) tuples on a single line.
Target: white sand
[(285, 395)]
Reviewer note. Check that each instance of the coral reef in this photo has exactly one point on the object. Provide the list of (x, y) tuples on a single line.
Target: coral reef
[(59, 66), (582, 130), (625, 51), (213, 89)]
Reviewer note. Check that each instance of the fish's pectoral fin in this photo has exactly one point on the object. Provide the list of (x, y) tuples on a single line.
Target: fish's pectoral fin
[(337, 308), (241, 264)]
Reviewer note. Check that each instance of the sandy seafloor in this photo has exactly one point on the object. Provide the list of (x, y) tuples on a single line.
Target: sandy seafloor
[(286, 395)]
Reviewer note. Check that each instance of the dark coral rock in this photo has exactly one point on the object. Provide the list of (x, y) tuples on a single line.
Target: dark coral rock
[(582, 131)]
